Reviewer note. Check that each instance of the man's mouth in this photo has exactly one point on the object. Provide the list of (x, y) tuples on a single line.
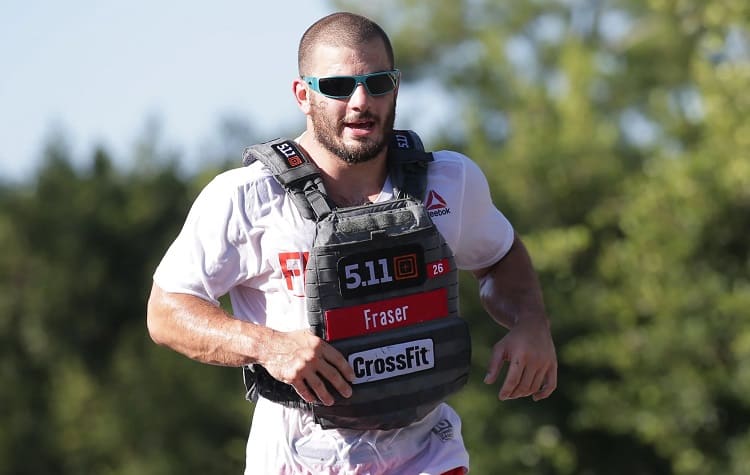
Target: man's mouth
[(360, 124)]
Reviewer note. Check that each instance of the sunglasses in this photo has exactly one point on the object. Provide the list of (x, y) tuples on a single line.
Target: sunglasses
[(342, 87)]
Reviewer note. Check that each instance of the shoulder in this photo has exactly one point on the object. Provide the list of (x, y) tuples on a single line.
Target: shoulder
[(455, 185), (255, 178), (455, 165), (243, 193), (451, 158), (242, 176)]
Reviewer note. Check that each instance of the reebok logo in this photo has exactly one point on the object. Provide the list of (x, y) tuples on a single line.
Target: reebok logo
[(391, 361), (436, 205)]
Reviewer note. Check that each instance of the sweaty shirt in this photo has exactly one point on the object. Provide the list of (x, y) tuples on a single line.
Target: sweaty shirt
[(245, 237)]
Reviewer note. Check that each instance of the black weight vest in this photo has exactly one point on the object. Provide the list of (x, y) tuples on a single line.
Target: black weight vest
[(381, 286)]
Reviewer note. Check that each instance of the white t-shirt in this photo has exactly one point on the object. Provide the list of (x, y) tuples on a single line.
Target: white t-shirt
[(244, 236)]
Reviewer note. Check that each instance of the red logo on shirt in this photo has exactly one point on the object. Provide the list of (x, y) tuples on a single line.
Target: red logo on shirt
[(435, 201), (293, 266), (436, 205)]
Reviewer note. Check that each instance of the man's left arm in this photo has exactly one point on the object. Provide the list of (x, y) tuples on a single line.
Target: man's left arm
[(510, 292)]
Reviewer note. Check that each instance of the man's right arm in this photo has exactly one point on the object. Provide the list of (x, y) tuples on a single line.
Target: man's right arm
[(206, 333)]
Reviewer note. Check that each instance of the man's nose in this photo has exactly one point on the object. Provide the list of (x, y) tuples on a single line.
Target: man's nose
[(359, 97)]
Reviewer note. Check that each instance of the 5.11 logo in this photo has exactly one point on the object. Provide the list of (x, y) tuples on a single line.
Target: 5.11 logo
[(378, 271)]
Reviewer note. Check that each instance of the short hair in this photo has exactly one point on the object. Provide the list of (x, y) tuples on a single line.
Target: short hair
[(340, 29)]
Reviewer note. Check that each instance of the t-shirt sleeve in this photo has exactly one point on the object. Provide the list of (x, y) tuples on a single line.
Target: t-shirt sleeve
[(215, 249), (485, 234)]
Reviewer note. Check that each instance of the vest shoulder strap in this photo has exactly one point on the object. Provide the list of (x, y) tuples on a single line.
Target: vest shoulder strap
[(298, 175), (407, 162), (295, 172)]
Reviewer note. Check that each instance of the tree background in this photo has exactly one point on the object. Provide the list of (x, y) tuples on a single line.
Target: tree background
[(615, 136)]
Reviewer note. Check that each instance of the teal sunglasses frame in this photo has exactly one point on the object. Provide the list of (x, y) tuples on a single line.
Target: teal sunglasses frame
[(394, 75)]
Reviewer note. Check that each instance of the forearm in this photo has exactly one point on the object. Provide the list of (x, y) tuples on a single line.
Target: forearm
[(206, 333), (202, 331), (510, 291)]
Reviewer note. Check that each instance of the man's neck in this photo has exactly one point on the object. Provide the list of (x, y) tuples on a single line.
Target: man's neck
[(347, 184)]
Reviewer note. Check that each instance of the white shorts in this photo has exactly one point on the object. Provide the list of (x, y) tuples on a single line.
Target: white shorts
[(287, 441)]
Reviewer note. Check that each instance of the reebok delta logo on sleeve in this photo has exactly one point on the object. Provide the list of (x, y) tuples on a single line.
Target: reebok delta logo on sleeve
[(436, 205)]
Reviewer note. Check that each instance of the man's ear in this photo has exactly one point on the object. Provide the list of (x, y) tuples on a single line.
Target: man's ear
[(301, 95)]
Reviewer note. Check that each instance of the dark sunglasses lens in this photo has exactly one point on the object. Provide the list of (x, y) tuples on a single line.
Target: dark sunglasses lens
[(380, 84), (339, 87)]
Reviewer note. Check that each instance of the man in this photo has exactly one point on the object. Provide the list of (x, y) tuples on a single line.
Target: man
[(244, 236)]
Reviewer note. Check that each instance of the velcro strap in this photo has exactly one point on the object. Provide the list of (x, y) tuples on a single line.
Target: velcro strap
[(287, 162), (407, 163), (295, 173)]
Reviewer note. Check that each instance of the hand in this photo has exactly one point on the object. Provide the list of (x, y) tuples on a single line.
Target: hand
[(305, 361), (530, 352)]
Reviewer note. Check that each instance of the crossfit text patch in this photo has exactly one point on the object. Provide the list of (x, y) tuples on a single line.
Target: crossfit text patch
[(391, 361)]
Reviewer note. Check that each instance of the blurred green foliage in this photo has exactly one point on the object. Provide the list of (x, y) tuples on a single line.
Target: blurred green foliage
[(615, 135), (85, 391)]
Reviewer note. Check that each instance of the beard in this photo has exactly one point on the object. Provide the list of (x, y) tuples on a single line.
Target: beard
[(328, 132)]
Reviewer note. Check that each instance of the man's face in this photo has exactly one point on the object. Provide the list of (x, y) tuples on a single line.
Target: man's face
[(357, 128)]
